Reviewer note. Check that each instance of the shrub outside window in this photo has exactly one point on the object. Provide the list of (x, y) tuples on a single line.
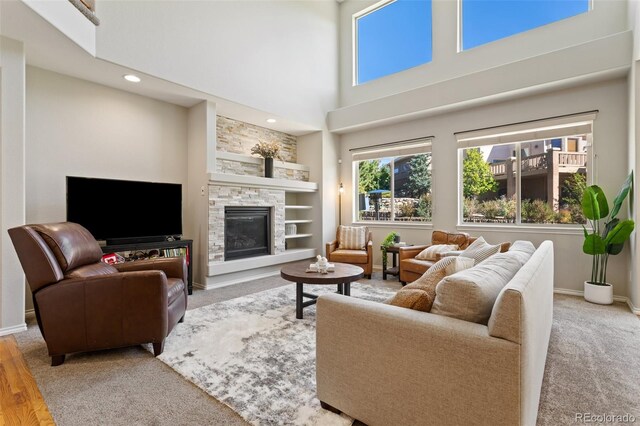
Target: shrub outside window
[(394, 188), (535, 182)]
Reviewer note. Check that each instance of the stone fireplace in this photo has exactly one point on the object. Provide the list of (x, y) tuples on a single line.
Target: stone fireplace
[(247, 232)]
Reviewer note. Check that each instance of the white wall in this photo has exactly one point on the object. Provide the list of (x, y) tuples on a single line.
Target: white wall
[(276, 56), (12, 181), (610, 140), (77, 128), (606, 18)]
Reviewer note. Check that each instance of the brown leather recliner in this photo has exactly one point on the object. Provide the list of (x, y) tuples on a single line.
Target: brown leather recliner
[(83, 304), (411, 268), (361, 258)]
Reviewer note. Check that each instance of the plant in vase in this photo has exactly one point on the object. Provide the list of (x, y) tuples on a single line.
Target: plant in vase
[(388, 241), (268, 151), (607, 238)]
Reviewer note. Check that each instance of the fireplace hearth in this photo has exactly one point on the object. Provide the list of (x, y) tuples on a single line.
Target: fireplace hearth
[(247, 232)]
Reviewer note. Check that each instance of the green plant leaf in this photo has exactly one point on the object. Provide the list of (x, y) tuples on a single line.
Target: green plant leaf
[(594, 203), (584, 229), (593, 244), (609, 226), (624, 191), (614, 249), (620, 233)]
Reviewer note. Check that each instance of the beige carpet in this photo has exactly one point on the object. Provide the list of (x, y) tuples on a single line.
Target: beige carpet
[(593, 367)]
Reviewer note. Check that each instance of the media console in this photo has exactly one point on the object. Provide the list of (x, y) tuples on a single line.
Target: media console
[(159, 245)]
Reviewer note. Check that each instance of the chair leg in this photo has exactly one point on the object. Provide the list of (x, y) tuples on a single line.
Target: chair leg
[(57, 360), (181, 319), (158, 348), (329, 407)]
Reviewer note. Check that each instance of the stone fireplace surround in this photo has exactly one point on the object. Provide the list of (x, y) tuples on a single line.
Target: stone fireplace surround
[(244, 196)]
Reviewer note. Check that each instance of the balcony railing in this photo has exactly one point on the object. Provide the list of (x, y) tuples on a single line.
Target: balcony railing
[(539, 162)]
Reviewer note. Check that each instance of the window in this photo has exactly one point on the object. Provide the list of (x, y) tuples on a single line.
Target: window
[(391, 36), (484, 21), (512, 178), (393, 184)]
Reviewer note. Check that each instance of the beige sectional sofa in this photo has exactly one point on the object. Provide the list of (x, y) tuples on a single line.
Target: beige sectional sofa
[(387, 365)]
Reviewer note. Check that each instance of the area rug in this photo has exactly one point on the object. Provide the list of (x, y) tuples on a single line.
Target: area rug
[(252, 354)]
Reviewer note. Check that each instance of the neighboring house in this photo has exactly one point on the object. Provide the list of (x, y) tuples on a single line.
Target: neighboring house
[(546, 164)]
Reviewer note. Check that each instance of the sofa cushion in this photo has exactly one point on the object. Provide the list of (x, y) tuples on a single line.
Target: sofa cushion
[(175, 289), (470, 294), (348, 256), (416, 265), (431, 252), (352, 237), (420, 294), (72, 244), (480, 250)]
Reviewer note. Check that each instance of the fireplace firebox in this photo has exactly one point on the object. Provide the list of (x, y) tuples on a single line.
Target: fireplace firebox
[(247, 232)]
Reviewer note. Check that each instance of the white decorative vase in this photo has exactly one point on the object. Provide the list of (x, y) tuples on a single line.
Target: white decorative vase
[(601, 294)]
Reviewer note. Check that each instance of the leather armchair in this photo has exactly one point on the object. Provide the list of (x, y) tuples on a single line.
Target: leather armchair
[(361, 258), (411, 268), (83, 304)]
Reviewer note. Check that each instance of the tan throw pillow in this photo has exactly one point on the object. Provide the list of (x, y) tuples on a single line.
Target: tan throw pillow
[(469, 295), (420, 294), (480, 250), (352, 237), (430, 252)]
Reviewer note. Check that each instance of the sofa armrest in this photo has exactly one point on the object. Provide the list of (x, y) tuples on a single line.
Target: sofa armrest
[(173, 267), (103, 311), (384, 364), (409, 252)]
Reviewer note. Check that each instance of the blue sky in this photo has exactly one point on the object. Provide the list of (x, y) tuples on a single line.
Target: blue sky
[(484, 21), (398, 36)]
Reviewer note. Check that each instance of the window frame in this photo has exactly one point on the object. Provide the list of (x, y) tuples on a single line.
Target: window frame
[(591, 173), (392, 152)]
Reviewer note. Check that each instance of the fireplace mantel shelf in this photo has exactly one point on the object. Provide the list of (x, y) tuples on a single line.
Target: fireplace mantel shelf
[(225, 179)]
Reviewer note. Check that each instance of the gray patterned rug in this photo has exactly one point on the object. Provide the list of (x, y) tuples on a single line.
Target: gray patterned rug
[(252, 354)]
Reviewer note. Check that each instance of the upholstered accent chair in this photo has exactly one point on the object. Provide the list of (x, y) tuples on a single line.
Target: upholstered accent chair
[(350, 252), (411, 268), (83, 304)]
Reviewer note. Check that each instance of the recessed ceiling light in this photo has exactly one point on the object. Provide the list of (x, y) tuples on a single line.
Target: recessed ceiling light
[(132, 78), (271, 120)]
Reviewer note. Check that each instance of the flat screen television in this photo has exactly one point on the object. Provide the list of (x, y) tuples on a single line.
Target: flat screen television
[(124, 211)]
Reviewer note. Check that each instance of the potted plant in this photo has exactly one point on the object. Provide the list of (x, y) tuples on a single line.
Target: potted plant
[(388, 241), (607, 238), (268, 151)]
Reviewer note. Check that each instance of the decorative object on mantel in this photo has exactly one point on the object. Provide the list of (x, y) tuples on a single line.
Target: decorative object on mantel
[(290, 229), (268, 151), (606, 239)]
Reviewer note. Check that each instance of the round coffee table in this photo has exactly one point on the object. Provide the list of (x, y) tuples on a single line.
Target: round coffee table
[(342, 275)]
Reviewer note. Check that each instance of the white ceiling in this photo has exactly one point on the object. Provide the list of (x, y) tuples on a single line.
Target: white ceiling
[(48, 48)]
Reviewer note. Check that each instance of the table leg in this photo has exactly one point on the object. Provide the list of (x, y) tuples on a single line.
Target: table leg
[(299, 300), (347, 289), (340, 289)]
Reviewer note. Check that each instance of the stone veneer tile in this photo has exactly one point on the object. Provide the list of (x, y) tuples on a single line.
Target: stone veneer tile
[(239, 137)]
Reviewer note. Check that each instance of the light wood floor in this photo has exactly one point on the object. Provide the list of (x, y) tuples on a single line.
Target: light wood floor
[(20, 400)]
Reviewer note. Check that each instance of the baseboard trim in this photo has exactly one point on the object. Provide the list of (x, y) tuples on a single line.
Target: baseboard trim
[(14, 329), (580, 293)]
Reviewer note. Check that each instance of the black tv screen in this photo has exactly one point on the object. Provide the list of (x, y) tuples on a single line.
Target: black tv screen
[(123, 210)]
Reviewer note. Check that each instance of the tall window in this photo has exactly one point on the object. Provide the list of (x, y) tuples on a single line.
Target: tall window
[(391, 36), (393, 185), (484, 21), (525, 180)]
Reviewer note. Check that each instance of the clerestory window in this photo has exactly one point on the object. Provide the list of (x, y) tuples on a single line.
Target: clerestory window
[(485, 21), (390, 37)]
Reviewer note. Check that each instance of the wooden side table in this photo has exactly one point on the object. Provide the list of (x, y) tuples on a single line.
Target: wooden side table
[(394, 270)]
